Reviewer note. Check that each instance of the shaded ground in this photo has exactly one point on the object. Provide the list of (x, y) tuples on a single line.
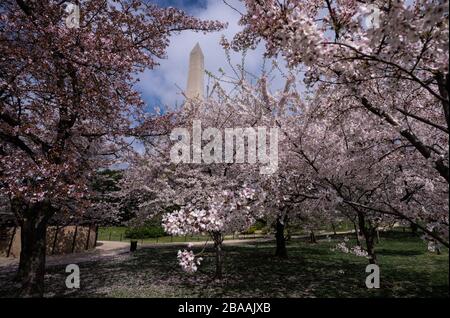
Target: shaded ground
[(107, 249), (312, 270), (104, 249)]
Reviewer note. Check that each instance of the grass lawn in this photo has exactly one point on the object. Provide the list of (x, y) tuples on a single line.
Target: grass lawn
[(312, 270)]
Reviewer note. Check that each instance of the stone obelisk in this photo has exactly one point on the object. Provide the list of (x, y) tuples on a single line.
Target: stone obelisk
[(195, 83)]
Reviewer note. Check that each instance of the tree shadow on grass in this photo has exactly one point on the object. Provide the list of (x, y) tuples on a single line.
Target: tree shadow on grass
[(398, 252), (312, 270)]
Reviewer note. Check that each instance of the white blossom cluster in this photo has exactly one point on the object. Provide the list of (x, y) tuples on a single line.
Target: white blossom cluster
[(433, 247), (355, 250), (224, 212), (228, 211), (188, 262)]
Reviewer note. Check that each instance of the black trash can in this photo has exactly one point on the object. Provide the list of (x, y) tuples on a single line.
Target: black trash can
[(133, 246)]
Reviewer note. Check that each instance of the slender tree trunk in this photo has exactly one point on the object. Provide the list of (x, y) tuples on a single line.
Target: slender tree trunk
[(371, 250), (218, 239), (443, 84), (438, 248), (281, 250), (358, 241), (312, 237), (369, 236), (333, 227), (414, 229)]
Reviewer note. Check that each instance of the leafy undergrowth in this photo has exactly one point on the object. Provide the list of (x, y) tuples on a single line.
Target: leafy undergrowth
[(312, 270)]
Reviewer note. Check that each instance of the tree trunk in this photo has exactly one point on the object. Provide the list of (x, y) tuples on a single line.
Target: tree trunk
[(312, 237), (334, 228), (438, 248), (371, 250), (443, 84), (414, 229), (33, 234), (281, 250), (358, 241), (218, 239), (369, 236), (32, 258)]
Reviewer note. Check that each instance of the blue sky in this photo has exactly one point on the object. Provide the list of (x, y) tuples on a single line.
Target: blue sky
[(162, 85), (188, 5)]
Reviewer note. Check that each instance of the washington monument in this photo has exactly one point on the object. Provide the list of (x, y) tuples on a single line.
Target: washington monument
[(195, 83)]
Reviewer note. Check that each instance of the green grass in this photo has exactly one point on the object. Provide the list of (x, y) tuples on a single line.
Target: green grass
[(312, 270), (343, 226), (111, 233)]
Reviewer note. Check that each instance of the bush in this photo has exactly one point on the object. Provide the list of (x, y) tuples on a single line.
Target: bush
[(265, 230), (258, 226), (250, 230)]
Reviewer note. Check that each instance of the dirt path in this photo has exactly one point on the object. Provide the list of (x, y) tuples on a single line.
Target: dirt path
[(104, 249), (241, 241)]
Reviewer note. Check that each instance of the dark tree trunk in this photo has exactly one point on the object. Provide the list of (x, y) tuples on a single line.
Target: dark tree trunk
[(33, 234), (371, 250), (369, 236), (218, 239), (414, 229), (334, 228), (32, 258), (312, 237), (443, 84), (281, 250), (438, 249), (358, 241)]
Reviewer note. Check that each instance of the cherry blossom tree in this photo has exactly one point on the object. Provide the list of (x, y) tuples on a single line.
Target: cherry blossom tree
[(214, 214), (347, 165), (403, 56), (67, 102), (369, 135), (353, 170), (379, 73), (211, 199)]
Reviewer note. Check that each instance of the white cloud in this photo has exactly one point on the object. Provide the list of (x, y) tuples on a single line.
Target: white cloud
[(162, 82)]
